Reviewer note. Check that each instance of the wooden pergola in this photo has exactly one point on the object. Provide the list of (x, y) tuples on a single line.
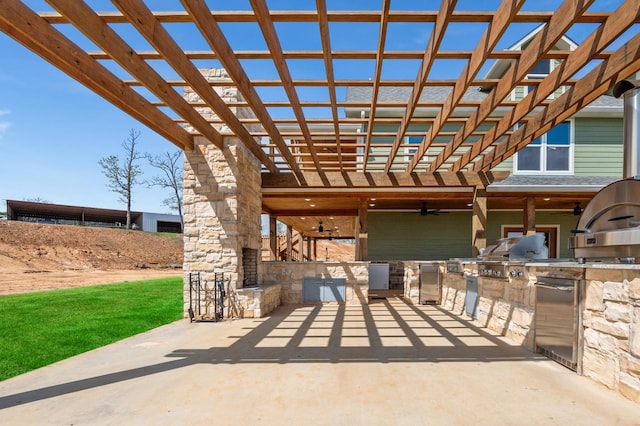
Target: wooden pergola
[(339, 162)]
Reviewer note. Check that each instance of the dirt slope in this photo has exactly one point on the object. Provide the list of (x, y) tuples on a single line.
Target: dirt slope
[(37, 257)]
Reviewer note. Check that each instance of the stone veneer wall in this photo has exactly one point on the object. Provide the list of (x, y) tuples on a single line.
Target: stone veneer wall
[(508, 308), (292, 274), (454, 290), (222, 200), (611, 321)]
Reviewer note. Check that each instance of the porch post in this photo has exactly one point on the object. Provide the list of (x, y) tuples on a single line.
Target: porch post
[(529, 217), (273, 235), (289, 244), (479, 221), (361, 230), (308, 249), (301, 246)]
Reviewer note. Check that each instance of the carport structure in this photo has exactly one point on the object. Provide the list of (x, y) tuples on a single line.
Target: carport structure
[(257, 137)]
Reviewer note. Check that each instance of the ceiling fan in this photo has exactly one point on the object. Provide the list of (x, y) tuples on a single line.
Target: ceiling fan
[(577, 210), (424, 210)]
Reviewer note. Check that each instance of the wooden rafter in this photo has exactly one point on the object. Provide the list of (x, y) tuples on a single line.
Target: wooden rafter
[(271, 38), (323, 22), (382, 36), (468, 121), (487, 43), (567, 15), (437, 34), (28, 28), (152, 30), (624, 61), (626, 15), (87, 21), (216, 39), (339, 16)]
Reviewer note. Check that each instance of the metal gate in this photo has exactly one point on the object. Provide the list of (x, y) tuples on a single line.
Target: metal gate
[(206, 301)]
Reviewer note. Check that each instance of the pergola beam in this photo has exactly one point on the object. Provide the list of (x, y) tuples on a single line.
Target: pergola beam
[(626, 15), (624, 62), (150, 28), (273, 43), (87, 21), (433, 45), (26, 27), (543, 41), (487, 43)]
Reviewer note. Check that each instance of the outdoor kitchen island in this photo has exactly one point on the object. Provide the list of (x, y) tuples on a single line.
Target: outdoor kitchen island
[(608, 314)]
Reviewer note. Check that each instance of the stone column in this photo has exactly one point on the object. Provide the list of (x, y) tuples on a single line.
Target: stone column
[(222, 207)]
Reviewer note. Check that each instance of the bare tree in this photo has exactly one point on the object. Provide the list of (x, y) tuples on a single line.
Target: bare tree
[(170, 166), (123, 175)]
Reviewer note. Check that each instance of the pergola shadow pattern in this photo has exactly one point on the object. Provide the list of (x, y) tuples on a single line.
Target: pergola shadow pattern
[(390, 331)]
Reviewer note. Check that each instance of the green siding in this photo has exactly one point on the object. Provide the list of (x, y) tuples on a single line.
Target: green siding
[(409, 236), (598, 147)]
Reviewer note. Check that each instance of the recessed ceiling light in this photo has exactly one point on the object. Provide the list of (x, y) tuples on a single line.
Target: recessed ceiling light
[(331, 217), (547, 199), (303, 218), (371, 204), (470, 205), (373, 199), (312, 205), (307, 199)]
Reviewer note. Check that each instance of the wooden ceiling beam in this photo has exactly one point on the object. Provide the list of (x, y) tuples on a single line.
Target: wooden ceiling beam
[(623, 18), (351, 54), (323, 22), (382, 36), (92, 26), (212, 33), (144, 21), (26, 27), (543, 41), (429, 57), (378, 180), (624, 62), (273, 43), (488, 41), (417, 16)]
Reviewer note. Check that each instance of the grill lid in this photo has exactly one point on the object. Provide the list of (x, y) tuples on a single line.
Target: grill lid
[(609, 226), (517, 248)]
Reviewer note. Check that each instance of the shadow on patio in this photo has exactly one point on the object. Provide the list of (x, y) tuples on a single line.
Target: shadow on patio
[(386, 331)]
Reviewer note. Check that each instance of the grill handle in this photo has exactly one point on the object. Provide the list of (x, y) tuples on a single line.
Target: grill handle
[(555, 287)]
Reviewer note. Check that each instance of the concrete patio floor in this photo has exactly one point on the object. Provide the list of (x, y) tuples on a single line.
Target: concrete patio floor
[(384, 363)]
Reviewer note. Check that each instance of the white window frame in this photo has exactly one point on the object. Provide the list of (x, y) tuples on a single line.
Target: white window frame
[(409, 152), (543, 154)]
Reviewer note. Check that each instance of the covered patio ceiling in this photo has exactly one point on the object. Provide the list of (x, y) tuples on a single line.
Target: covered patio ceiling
[(294, 69)]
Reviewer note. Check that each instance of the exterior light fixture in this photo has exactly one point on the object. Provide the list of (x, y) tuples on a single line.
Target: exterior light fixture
[(320, 227)]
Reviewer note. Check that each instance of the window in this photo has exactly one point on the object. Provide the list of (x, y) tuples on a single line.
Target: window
[(550, 153), (412, 140)]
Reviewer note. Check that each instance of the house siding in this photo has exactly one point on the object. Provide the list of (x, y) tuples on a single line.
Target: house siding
[(598, 147), (409, 236)]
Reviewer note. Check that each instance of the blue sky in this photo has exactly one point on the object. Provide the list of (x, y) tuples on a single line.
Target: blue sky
[(53, 130)]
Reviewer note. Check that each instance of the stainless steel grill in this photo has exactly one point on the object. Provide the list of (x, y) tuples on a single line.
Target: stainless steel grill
[(609, 227), (505, 258)]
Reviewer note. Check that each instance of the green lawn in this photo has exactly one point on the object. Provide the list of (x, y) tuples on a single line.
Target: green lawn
[(37, 329)]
